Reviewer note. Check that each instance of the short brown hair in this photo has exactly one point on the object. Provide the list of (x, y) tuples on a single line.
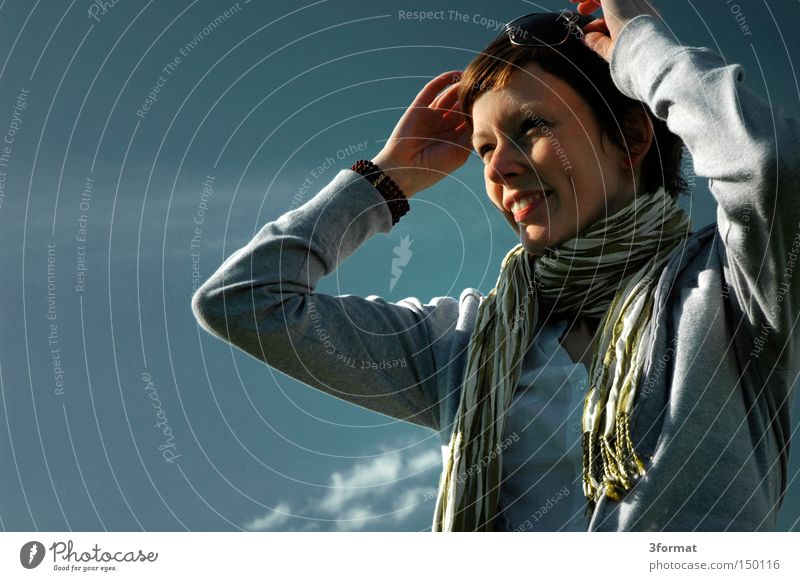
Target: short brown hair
[(590, 76)]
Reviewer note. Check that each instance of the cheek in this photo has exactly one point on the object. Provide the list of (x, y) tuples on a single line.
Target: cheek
[(610, 157), (573, 157), (558, 157), (587, 166), (493, 189), (497, 201)]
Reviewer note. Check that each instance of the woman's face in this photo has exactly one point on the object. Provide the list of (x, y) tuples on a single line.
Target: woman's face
[(548, 167)]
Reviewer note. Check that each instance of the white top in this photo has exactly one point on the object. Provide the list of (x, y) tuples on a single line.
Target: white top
[(542, 486)]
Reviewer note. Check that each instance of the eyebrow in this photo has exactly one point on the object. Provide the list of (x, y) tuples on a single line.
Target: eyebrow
[(532, 109)]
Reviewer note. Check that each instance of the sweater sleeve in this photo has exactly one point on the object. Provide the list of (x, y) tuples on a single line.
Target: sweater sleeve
[(751, 154), (368, 351)]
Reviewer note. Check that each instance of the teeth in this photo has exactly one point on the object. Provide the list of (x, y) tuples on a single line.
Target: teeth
[(520, 205), (523, 203)]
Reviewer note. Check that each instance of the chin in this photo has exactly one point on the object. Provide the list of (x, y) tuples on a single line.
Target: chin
[(533, 249), (531, 246), (535, 245), (533, 238)]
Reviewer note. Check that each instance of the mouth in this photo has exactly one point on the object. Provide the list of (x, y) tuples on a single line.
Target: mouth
[(526, 205)]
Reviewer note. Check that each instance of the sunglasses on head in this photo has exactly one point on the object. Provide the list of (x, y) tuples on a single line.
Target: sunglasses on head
[(546, 28)]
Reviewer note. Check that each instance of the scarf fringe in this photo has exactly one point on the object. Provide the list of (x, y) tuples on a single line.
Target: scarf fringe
[(608, 273)]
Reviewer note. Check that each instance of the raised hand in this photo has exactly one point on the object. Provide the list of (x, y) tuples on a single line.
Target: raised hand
[(586, 6), (431, 139), (601, 34)]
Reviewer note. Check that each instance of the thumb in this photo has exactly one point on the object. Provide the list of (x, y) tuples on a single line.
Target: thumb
[(599, 43)]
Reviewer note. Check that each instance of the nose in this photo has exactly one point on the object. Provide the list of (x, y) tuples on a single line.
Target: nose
[(507, 161)]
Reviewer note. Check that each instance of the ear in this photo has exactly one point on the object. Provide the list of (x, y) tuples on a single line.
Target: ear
[(637, 129)]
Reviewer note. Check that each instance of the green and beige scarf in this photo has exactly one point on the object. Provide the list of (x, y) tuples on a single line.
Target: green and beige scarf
[(608, 273)]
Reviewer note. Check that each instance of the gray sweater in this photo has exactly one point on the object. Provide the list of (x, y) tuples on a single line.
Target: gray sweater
[(712, 417)]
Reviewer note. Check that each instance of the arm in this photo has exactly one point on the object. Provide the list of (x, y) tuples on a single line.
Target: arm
[(750, 152), (379, 355), (386, 357)]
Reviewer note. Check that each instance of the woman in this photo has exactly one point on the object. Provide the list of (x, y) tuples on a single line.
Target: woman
[(622, 363)]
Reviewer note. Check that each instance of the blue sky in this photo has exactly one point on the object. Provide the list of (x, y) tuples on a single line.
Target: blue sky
[(155, 424)]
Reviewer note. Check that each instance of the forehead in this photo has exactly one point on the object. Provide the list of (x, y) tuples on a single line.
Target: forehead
[(529, 91)]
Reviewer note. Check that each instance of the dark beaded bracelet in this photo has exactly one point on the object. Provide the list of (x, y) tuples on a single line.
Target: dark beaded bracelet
[(395, 200)]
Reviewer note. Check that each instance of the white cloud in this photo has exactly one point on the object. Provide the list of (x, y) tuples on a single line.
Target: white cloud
[(364, 479), (425, 461), (271, 520), (370, 493), (355, 518), (411, 500)]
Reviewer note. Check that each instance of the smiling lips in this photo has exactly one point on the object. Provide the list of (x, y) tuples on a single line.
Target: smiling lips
[(522, 205)]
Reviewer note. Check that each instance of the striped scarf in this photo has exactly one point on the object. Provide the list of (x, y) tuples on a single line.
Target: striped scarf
[(608, 273)]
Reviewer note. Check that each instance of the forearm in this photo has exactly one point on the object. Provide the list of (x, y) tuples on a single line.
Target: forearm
[(749, 150), (367, 351), (731, 132), (289, 256)]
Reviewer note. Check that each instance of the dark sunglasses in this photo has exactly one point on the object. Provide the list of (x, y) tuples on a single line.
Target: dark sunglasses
[(546, 28)]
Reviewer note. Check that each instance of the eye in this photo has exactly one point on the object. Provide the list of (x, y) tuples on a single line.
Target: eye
[(483, 150), (533, 123)]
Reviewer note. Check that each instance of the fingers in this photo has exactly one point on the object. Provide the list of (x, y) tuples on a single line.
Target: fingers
[(461, 136), (429, 92), (598, 38), (446, 99), (587, 6), (598, 25), (599, 43)]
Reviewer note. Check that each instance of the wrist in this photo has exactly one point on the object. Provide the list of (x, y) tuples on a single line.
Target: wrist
[(382, 181), (399, 175)]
